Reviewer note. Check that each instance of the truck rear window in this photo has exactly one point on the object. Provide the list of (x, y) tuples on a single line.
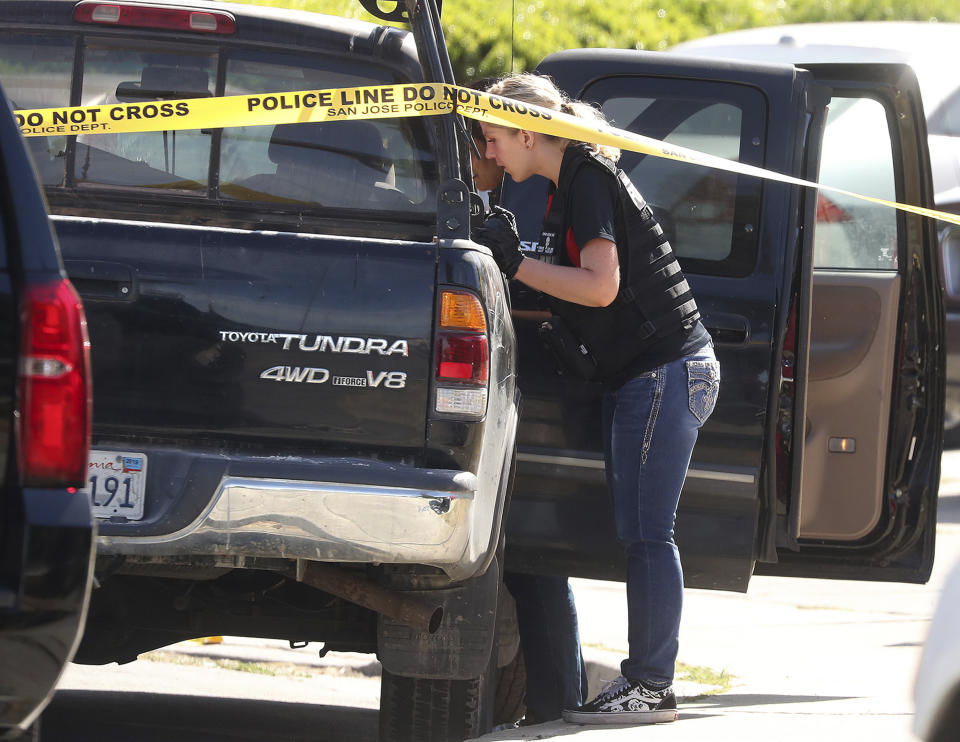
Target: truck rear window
[(386, 164), (376, 162), (36, 73), (126, 72)]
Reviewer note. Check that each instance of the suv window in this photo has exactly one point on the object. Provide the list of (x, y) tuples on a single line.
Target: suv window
[(386, 164), (708, 214)]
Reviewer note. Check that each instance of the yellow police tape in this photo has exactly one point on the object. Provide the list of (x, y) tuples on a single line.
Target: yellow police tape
[(386, 101)]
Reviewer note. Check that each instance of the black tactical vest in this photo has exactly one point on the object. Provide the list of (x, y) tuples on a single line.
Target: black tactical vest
[(654, 300)]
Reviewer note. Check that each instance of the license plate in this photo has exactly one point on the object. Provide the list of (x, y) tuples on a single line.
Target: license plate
[(115, 484)]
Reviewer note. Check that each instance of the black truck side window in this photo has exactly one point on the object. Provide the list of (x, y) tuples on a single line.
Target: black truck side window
[(710, 215)]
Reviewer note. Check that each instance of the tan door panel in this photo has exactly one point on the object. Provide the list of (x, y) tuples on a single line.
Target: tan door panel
[(852, 344)]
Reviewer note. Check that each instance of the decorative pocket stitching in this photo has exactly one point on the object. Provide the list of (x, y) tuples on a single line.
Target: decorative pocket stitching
[(703, 386)]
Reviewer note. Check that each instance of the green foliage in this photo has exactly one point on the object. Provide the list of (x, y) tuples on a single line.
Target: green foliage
[(482, 40)]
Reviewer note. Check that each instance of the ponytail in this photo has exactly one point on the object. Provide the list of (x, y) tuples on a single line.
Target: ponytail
[(594, 115)]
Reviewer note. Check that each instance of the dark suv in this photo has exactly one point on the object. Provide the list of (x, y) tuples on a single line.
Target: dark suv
[(307, 374), (47, 532)]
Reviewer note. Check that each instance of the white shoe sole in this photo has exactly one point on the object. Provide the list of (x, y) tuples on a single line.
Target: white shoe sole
[(620, 717)]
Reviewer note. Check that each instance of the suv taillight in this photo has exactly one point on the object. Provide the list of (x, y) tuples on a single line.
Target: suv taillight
[(53, 428), (463, 356), (154, 16)]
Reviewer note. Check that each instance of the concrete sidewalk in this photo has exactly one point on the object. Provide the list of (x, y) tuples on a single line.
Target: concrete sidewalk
[(810, 659)]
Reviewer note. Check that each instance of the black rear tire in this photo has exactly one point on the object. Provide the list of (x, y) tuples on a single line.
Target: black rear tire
[(432, 710)]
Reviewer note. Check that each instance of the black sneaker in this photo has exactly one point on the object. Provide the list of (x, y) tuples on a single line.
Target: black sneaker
[(623, 702)]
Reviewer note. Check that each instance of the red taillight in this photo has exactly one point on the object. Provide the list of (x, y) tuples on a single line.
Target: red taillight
[(154, 16), (462, 357), (54, 395)]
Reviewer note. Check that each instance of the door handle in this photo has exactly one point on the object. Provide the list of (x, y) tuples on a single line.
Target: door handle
[(101, 279), (727, 329)]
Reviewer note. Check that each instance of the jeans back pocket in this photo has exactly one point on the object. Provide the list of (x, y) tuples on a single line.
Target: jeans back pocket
[(703, 386)]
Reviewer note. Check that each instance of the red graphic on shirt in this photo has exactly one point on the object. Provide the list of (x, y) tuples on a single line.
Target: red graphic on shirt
[(573, 251)]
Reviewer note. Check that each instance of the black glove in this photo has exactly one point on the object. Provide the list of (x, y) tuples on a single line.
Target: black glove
[(498, 210), (499, 233)]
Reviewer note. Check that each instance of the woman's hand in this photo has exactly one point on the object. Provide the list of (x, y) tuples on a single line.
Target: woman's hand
[(499, 233), (594, 284)]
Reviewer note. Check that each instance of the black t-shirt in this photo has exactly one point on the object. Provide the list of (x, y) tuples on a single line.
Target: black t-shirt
[(592, 207), (593, 199)]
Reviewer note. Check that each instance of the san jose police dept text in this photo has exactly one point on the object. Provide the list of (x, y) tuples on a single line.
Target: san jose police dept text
[(383, 101)]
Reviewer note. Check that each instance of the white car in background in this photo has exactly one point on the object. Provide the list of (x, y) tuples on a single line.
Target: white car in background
[(925, 46), (928, 48)]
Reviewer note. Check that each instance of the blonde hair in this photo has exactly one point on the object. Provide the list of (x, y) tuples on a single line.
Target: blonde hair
[(540, 90)]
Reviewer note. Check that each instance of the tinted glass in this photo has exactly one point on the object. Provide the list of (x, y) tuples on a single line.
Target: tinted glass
[(708, 214), (377, 164), (857, 156), (385, 164), (36, 73), (146, 76)]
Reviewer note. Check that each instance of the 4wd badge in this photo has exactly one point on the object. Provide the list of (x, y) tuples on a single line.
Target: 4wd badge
[(309, 375)]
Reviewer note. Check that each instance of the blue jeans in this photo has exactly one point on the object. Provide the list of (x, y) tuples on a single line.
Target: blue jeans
[(650, 426), (550, 642)]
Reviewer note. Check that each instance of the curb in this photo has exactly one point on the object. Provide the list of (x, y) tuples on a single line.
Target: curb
[(603, 665), (276, 653)]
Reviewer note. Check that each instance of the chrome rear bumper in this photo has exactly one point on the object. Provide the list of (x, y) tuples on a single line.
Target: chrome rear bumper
[(326, 521)]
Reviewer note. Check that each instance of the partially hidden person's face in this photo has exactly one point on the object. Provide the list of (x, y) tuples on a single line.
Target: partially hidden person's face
[(487, 174), (509, 148)]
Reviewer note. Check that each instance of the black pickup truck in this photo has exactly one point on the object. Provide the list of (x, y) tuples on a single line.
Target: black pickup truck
[(47, 532), (308, 385)]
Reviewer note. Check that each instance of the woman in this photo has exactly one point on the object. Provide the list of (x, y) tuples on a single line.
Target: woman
[(546, 614), (612, 279)]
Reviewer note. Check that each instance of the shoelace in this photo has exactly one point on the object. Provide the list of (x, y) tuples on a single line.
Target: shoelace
[(612, 688)]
